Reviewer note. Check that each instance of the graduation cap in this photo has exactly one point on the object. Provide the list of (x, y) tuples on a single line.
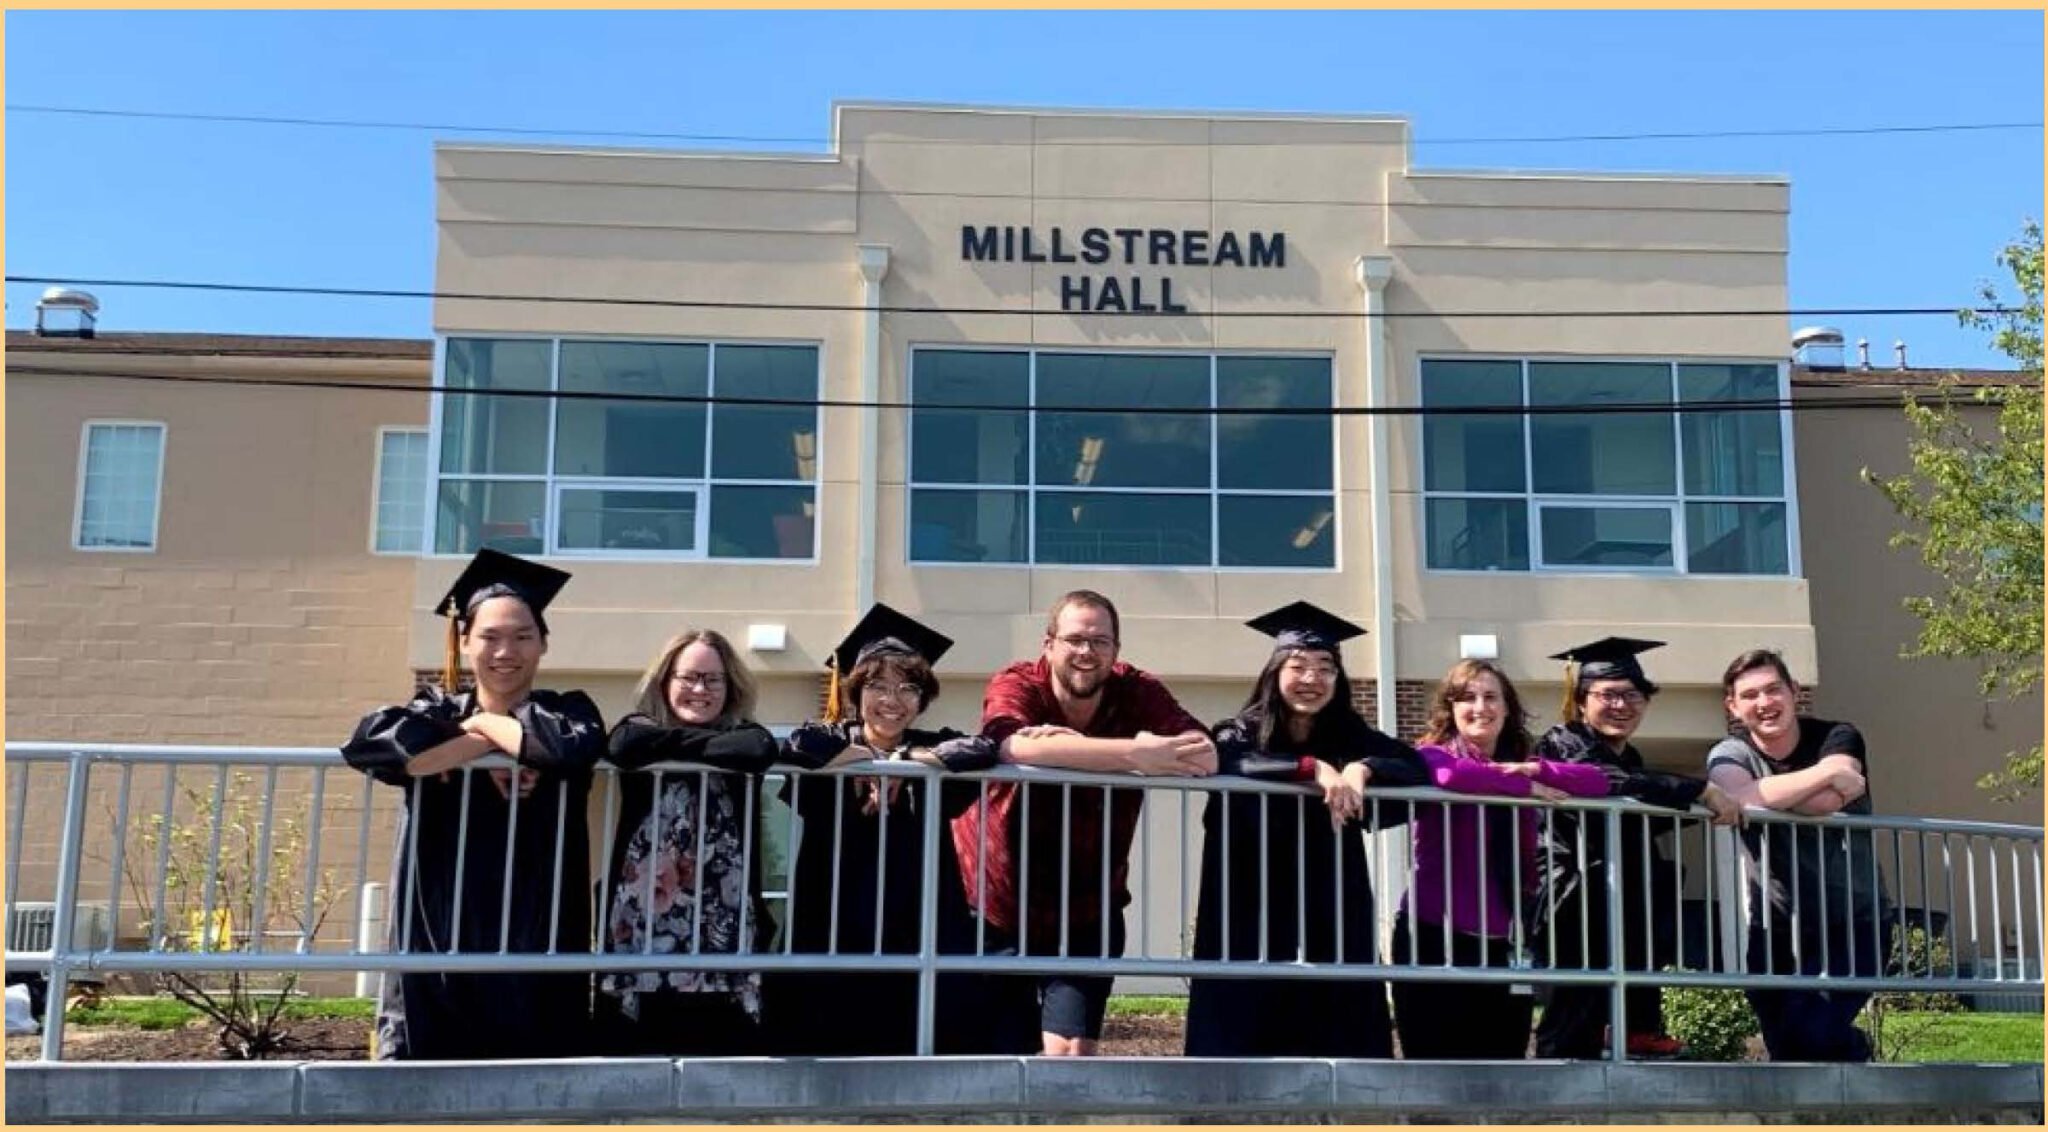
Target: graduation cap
[(881, 631), (1609, 658), (493, 573), (1300, 625)]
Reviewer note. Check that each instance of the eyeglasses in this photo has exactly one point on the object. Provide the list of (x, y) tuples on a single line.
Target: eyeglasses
[(1622, 699), (898, 692), (1083, 644), (1321, 672), (709, 681)]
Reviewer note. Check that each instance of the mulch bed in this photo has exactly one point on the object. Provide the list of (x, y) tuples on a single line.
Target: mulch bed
[(1143, 1035)]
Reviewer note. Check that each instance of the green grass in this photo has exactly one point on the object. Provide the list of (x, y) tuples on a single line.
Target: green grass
[(1134, 1004), (1970, 1037), (169, 1013)]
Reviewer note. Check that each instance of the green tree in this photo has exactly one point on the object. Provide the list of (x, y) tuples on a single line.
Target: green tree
[(1972, 505)]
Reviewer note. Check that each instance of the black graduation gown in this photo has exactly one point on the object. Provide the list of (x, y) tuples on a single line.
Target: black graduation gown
[(829, 1014), (1574, 1017), (431, 1015), (1307, 1017)]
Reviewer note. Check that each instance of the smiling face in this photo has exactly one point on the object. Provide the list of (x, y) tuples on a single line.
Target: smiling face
[(1308, 681), (697, 683), (503, 646), (1480, 710), (1614, 709), (1765, 703), (1081, 649), (891, 699)]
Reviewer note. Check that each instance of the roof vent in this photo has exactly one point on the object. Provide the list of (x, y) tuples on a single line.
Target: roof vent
[(1818, 347), (76, 313)]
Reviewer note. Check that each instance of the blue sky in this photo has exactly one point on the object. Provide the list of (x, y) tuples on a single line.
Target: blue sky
[(1891, 220)]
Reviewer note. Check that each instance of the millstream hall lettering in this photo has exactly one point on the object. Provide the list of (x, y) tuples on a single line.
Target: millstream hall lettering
[(1153, 247)]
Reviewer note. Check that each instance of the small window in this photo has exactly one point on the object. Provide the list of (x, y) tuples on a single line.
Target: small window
[(120, 482), (401, 519)]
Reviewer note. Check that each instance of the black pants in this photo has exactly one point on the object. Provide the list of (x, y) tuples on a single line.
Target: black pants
[(1574, 1017), (1440, 1021), (1816, 1025), (677, 1024), (1072, 1006)]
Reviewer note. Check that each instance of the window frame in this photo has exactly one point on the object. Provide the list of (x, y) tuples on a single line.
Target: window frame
[(551, 482), (1678, 501), (156, 518), (1030, 489), (377, 491)]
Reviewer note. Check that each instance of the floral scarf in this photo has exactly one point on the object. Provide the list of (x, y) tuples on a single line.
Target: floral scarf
[(674, 918)]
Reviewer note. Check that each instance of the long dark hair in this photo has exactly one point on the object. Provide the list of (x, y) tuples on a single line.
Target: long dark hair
[(1267, 712)]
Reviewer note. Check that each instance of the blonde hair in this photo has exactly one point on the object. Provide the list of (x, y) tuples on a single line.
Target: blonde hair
[(741, 691)]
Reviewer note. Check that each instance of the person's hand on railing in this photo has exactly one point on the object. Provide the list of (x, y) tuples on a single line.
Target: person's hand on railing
[(1528, 769), (1189, 754), (1339, 795), (1726, 810), (1358, 774), (501, 777), (1546, 793)]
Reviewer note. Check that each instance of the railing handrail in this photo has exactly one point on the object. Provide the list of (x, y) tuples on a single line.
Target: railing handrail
[(44, 751)]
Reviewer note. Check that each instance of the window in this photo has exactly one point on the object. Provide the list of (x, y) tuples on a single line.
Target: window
[(400, 524), (611, 469), (1021, 456), (1667, 489), (120, 481)]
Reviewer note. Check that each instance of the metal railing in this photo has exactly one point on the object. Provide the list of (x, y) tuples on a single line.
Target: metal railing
[(189, 880)]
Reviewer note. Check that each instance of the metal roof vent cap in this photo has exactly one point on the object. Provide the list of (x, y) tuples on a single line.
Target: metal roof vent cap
[(1818, 347), (77, 313)]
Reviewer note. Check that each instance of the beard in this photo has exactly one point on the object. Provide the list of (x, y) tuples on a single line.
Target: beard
[(1081, 685)]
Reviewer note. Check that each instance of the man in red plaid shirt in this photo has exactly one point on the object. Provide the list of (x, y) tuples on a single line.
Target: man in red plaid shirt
[(1077, 707)]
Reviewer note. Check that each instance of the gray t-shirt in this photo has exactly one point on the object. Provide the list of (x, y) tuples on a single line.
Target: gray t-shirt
[(1835, 869)]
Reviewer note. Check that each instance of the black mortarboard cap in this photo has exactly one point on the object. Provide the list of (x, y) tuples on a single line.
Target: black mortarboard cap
[(536, 584), (1609, 658), (885, 630), (1300, 625), (881, 630)]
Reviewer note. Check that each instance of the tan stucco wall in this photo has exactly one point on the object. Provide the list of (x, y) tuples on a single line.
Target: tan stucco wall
[(780, 230)]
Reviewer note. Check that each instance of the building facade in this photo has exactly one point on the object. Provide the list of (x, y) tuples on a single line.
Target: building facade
[(965, 362)]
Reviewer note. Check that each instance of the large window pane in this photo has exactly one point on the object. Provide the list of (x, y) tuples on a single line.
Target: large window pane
[(763, 522), (1606, 536), (1472, 453), (1732, 452), (599, 519), (1273, 452), (1123, 449), (765, 442), (401, 492), (632, 438), (485, 435), (1104, 529), (1477, 534), (1601, 453), (1276, 530), (508, 516), (1736, 538), (968, 526), (969, 446)]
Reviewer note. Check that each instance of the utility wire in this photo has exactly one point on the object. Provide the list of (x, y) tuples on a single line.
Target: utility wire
[(773, 139), (1794, 404), (857, 308)]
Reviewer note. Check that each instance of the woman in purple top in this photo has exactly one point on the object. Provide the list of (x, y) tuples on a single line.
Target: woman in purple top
[(1476, 742)]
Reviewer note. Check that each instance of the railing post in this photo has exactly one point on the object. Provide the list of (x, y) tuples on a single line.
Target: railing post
[(1730, 898), (1617, 997), (69, 848), (928, 918)]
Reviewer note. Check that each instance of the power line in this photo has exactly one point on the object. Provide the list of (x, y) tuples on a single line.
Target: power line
[(774, 139), (1794, 404), (856, 308)]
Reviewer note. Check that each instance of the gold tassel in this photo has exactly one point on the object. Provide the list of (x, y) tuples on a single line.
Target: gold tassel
[(833, 707), (451, 661), (1571, 693)]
